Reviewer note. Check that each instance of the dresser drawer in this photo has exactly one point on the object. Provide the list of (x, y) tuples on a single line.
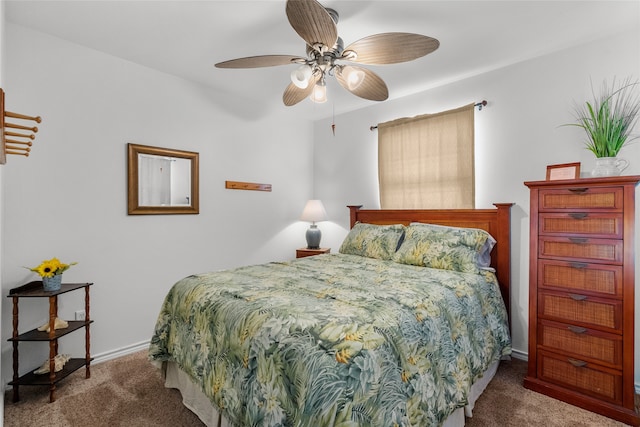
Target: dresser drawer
[(581, 198), (581, 343), (594, 279), (589, 224), (587, 378), (581, 249), (600, 313)]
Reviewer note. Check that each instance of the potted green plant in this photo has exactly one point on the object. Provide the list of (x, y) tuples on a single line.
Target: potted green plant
[(608, 122)]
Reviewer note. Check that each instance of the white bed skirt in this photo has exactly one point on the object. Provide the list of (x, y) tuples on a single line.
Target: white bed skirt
[(194, 399)]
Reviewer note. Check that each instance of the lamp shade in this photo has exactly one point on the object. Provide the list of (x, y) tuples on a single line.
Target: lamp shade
[(314, 212), (353, 76), (319, 93), (301, 75)]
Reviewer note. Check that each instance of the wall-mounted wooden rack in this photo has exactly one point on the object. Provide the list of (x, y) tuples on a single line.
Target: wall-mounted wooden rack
[(236, 185), (15, 142)]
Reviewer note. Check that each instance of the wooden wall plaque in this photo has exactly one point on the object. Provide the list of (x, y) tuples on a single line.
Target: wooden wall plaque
[(237, 185)]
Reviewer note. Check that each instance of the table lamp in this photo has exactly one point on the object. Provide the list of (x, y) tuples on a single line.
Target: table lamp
[(313, 212)]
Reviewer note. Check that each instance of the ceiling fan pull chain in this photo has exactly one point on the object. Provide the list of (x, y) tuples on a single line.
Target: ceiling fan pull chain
[(333, 118)]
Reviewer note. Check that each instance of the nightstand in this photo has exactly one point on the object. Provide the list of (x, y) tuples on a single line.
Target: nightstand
[(303, 252)]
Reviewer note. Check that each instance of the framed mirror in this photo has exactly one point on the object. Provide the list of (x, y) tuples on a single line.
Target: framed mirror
[(162, 181)]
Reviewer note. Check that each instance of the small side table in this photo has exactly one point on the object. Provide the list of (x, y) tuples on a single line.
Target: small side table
[(35, 290), (304, 252)]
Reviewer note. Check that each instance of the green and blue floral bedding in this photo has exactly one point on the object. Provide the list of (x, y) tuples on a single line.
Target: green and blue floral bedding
[(334, 340)]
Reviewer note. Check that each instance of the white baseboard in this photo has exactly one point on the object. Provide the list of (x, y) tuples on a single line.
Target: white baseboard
[(110, 355), (143, 345), (520, 355), (114, 354)]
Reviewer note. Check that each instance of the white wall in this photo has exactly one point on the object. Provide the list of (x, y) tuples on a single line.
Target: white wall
[(517, 135), (68, 199), (2, 41)]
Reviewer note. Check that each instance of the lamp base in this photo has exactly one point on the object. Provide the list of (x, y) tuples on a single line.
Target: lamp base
[(313, 236)]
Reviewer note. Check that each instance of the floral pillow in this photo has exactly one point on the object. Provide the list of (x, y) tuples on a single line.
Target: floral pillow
[(448, 248), (373, 241)]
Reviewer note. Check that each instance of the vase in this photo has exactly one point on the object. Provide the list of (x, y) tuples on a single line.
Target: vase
[(609, 166), (52, 283)]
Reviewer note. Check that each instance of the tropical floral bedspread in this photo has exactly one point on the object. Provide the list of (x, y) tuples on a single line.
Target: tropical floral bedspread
[(334, 340)]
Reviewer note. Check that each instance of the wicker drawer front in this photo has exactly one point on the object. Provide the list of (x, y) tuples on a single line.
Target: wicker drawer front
[(585, 311), (606, 225), (602, 279), (606, 250), (581, 198), (581, 343), (584, 377)]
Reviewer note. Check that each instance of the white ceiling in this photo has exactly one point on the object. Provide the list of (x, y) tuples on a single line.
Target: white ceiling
[(186, 38)]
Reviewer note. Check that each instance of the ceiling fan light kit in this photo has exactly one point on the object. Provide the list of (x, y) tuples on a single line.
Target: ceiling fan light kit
[(301, 76), (317, 26), (319, 93), (353, 76)]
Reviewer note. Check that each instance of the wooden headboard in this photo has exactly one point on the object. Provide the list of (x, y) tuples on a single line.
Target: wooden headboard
[(496, 222)]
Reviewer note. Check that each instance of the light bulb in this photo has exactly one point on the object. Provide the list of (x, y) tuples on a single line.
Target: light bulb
[(300, 76), (319, 94), (354, 77)]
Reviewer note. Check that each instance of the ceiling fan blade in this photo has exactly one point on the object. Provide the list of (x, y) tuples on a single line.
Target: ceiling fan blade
[(293, 94), (259, 61), (391, 48), (312, 22), (362, 82)]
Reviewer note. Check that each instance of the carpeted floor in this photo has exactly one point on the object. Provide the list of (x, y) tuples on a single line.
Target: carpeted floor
[(506, 402), (129, 392)]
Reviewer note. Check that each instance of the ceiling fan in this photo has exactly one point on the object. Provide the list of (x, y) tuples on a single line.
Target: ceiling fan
[(325, 51)]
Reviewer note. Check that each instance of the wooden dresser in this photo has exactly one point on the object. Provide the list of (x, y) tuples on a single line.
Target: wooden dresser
[(581, 293)]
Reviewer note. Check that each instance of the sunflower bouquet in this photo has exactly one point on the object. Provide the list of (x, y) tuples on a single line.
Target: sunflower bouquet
[(51, 267)]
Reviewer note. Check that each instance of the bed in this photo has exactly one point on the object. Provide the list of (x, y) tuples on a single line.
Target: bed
[(405, 326)]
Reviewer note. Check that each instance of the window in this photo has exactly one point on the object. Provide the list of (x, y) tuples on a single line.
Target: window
[(426, 162)]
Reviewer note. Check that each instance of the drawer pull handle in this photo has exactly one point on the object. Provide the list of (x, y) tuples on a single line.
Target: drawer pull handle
[(578, 215), (578, 190), (577, 297), (577, 329), (577, 363), (579, 265), (579, 240)]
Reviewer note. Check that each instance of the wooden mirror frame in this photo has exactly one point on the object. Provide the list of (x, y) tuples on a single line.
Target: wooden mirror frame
[(133, 207)]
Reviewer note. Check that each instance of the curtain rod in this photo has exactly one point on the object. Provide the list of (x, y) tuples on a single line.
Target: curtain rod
[(480, 104)]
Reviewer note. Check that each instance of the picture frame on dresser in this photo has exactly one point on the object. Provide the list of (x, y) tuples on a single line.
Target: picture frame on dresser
[(563, 171), (581, 293)]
